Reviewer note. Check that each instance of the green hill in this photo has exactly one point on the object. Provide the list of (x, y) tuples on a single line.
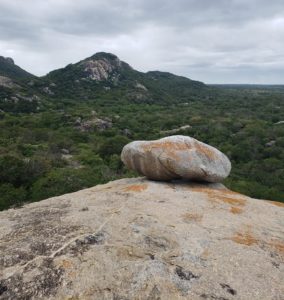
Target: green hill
[(105, 72)]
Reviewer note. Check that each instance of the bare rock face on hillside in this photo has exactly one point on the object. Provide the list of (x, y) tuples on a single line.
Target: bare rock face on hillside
[(7, 82), (7, 59), (93, 123), (173, 131), (100, 69), (139, 239), (176, 157)]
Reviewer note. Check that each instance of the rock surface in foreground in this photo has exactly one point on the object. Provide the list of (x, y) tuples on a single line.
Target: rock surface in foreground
[(139, 239), (176, 157)]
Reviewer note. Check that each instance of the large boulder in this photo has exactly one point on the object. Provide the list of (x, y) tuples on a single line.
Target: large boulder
[(176, 157), (139, 239)]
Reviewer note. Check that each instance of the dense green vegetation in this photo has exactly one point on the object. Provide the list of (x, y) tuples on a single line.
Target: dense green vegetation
[(60, 147)]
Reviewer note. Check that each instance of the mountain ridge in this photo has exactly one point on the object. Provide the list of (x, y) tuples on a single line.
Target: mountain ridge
[(9, 69), (106, 68), (6, 62), (102, 75)]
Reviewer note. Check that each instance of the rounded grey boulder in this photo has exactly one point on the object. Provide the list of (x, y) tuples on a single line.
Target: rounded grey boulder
[(176, 157)]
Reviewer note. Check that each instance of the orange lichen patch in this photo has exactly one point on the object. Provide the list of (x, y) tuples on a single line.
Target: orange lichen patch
[(236, 210), (165, 146), (136, 188), (232, 201), (278, 246), (66, 264), (205, 254), (206, 151), (225, 196), (169, 148), (231, 193), (244, 238), (280, 204), (191, 217), (215, 191)]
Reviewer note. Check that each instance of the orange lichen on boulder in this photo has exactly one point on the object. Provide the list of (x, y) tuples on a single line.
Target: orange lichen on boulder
[(280, 204), (225, 196), (278, 246), (244, 238), (236, 210), (166, 146), (66, 264), (205, 150), (205, 253), (169, 147), (232, 201), (136, 188)]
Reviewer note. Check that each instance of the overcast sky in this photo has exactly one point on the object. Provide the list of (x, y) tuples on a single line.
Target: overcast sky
[(215, 41)]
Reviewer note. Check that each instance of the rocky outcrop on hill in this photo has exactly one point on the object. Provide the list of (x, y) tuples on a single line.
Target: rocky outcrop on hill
[(93, 123), (99, 69), (139, 239), (175, 130), (8, 60), (7, 82), (104, 73), (176, 157), (102, 67)]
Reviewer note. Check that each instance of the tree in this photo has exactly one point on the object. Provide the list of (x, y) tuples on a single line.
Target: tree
[(11, 196), (113, 146)]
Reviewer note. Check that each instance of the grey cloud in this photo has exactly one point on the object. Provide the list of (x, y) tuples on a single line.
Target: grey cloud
[(212, 40), (111, 16)]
